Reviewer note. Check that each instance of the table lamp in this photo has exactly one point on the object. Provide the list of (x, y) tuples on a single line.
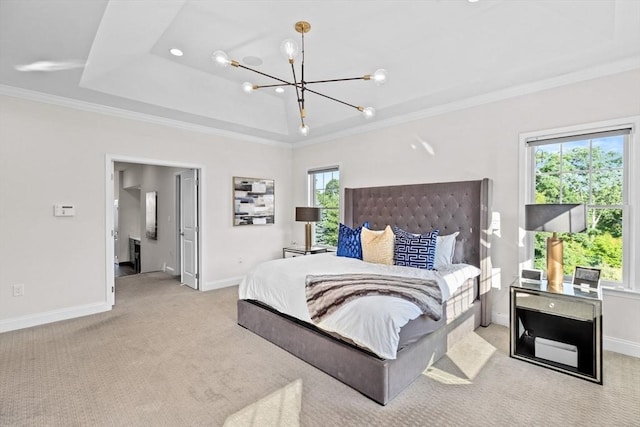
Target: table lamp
[(308, 215), (557, 218)]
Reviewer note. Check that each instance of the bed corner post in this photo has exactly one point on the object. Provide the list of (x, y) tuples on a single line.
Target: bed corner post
[(486, 196)]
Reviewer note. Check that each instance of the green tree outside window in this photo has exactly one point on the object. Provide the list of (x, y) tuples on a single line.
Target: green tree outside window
[(589, 171)]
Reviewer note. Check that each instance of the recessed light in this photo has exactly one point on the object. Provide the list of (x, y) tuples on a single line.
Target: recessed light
[(175, 52), (279, 90)]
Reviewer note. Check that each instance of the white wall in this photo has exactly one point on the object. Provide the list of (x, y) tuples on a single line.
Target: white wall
[(475, 143), (52, 154)]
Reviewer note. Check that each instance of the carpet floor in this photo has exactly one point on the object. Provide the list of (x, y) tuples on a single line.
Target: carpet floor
[(167, 355)]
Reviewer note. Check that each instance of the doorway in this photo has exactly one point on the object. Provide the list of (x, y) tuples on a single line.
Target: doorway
[(128, 218)]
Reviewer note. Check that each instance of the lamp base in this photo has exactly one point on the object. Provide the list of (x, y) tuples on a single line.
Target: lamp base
[(555, 275), (307, 237)]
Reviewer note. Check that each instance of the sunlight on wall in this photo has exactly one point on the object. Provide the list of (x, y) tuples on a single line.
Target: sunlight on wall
[(428, 148), (280, 408)]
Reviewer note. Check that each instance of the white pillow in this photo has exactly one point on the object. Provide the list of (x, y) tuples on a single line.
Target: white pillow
[(445, 247)]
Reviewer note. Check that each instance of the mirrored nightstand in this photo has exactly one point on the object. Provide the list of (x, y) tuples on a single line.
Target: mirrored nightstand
[(560, 329)]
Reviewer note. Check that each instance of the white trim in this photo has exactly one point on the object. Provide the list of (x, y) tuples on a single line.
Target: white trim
[(170, 270), (131, 115), (222, 283), (621, 293), (110, 159), (30, 320), (631, 261), (499, 95), (625, 347), (487, 98)]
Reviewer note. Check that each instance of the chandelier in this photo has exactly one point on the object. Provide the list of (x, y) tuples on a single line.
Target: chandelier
[(289, 49)]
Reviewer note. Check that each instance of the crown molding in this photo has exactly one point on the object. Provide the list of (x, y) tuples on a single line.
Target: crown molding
[(31, 95), (617, 67), (512, 92)]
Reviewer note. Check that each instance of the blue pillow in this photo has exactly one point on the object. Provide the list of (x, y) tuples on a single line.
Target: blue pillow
[(415, 250), (349, 244)]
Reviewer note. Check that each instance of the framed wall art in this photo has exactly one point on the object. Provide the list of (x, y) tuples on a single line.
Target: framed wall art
[(253, 201)]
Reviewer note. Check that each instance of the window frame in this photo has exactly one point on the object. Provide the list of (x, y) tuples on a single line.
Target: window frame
[(631, 175), (311, 194)]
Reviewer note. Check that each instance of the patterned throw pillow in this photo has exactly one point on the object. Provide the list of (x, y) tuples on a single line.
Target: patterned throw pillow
[(415, 250), (377, 246), (349, 244)]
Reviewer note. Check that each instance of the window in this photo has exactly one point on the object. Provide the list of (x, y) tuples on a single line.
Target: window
[(324, 192), (587, 168)]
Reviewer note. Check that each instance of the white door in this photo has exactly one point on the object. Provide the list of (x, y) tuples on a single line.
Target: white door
[(189, 228), (115, 231)]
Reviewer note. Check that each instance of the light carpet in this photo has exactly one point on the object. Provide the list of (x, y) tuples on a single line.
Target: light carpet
[(167, 355)]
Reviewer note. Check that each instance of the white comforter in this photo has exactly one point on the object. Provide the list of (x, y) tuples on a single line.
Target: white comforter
[(372, 322)]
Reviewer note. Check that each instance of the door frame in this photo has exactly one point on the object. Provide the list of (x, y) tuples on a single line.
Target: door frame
[(110, 159)]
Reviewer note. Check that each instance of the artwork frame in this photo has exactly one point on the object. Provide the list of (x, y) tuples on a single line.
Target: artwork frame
[(151, 215), (253, 201), (586, 277)]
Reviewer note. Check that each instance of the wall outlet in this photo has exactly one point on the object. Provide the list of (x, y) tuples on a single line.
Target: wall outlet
[(18, 290)]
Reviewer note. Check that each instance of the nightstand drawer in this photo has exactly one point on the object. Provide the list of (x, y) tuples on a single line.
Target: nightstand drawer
[(556, 306)]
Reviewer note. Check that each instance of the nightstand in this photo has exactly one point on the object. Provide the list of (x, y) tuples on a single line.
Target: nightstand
[(560, 329), (293, 251)]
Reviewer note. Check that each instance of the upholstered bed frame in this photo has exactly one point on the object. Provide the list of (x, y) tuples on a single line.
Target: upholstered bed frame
[(448, 207)]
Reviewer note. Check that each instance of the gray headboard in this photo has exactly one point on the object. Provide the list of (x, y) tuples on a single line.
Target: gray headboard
[(463, 206)]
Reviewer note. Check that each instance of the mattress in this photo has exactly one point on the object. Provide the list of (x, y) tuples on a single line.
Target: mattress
[(372, 322)]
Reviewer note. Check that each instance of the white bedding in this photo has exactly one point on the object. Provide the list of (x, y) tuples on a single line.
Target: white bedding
[(372, 322)]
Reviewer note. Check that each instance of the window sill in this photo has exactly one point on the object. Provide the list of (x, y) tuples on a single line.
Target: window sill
[(621, 292)]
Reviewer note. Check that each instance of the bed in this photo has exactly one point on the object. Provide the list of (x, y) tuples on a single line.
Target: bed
[(462, 207)]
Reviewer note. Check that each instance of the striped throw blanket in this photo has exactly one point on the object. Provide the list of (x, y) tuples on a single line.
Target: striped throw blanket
[(326, 293)]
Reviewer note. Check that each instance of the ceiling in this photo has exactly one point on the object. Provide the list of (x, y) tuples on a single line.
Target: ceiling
[(438, 53)]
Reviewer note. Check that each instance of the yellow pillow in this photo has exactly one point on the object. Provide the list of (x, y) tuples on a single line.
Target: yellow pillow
[(377, 246)]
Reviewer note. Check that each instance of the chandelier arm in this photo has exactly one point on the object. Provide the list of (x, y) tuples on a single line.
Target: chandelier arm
[(300, 97), (334, 99), (276, 85), (265, 74), (337, 80)]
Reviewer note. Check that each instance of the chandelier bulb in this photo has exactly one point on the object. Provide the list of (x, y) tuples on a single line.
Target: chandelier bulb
[(289, 49), (220, 58), (248, 87), (304, 130), (368, 112), (379, 77)]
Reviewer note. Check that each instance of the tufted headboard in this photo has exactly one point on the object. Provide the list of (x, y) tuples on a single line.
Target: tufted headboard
[(462, 206)]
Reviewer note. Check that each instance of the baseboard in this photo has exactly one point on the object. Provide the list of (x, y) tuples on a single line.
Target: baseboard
[(223, 283), (22, 322), (625, 347)]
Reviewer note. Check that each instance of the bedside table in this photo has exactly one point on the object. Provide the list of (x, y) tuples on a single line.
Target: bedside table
[(560, 329), (293, 251)]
